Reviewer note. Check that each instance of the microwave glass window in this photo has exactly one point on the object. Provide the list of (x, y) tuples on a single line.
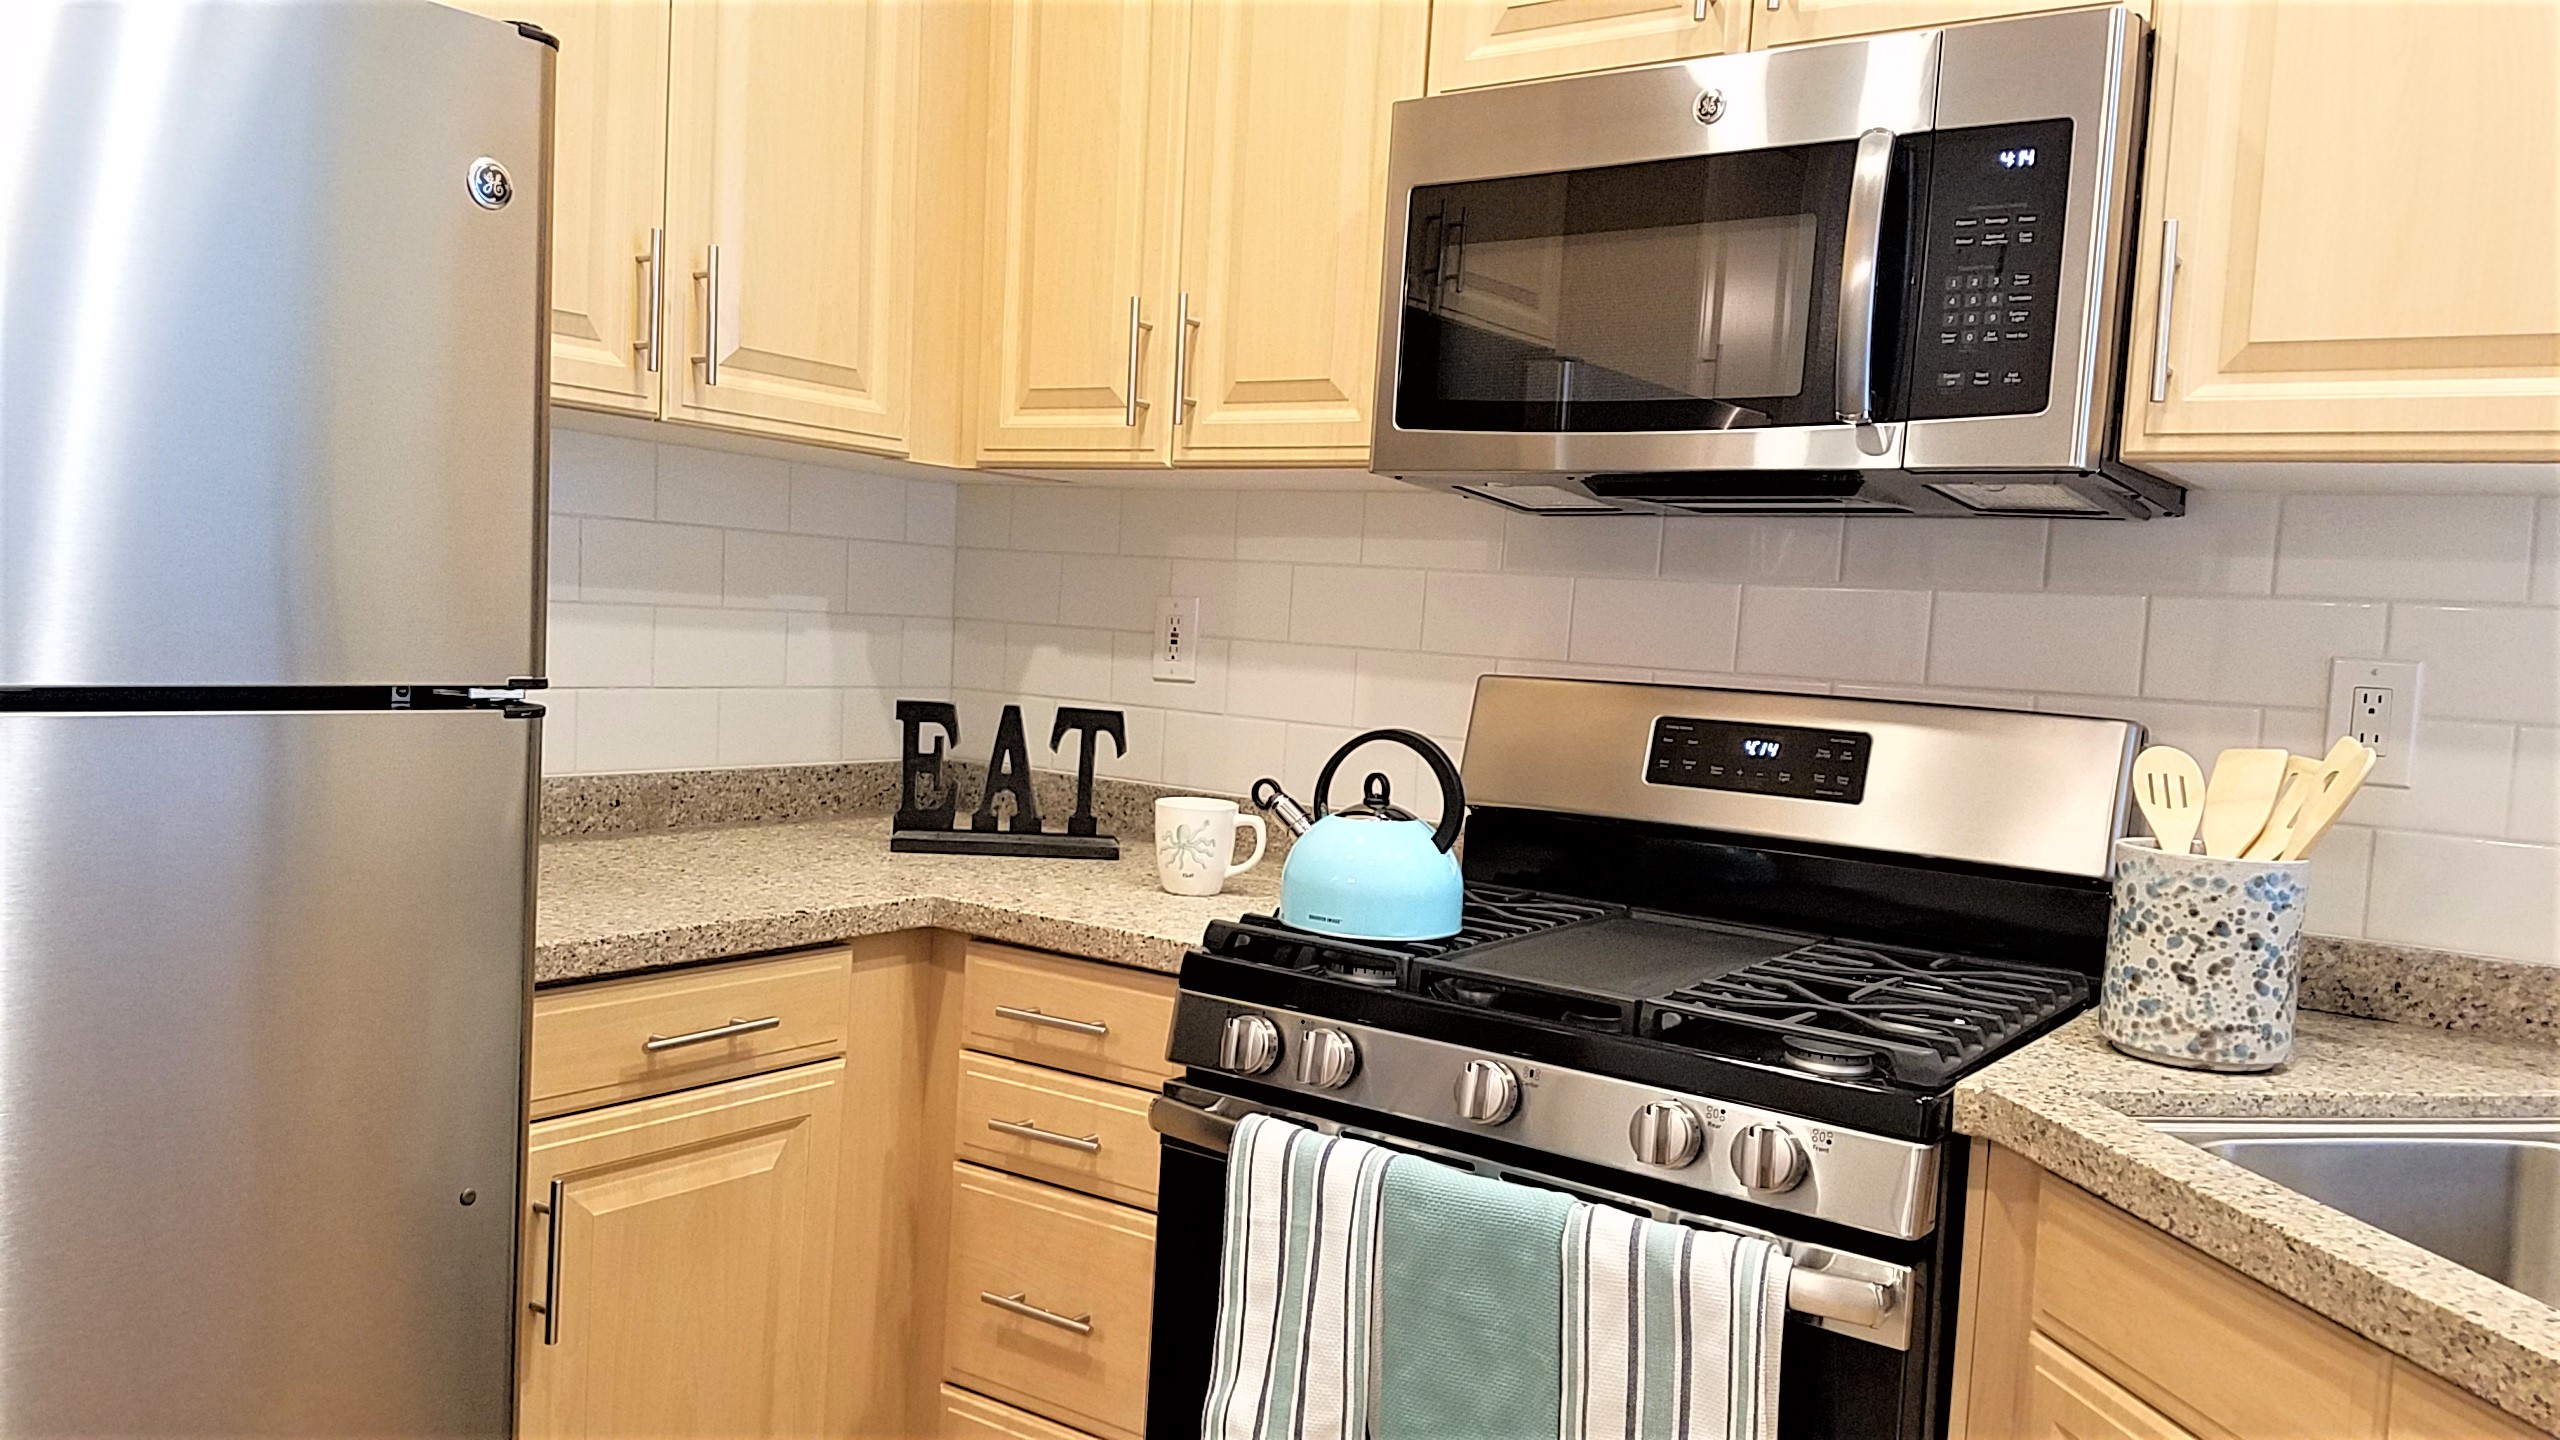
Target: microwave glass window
[(1675, 295)]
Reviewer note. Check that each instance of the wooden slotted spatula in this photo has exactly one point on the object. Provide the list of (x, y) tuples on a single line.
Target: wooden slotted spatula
[(2339, 777), (2169, 786), (2239, 797)]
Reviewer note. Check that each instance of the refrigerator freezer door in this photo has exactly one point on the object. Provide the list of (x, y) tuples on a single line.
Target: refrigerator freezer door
[(271, 375), (263, 993)]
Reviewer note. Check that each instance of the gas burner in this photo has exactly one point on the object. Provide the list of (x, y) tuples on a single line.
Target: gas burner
[(1493, 915), (1823, 1057), (1376, 971)]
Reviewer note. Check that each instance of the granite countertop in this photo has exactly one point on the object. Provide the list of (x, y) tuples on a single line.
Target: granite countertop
[(612, 905), (2068, 1103)]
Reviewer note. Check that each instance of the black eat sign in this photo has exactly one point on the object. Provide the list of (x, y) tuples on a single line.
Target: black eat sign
[(927, 804)]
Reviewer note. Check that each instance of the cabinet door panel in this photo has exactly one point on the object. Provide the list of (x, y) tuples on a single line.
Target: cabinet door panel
[(1791, 22), (1493, 42), (1285, 174), (695, 1233), (792, 147), (1085, 113), (2066, 1400), (2368, 199)]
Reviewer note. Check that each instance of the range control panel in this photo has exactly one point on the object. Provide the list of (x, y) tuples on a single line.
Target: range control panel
[(1759, 759), (1992, 270)]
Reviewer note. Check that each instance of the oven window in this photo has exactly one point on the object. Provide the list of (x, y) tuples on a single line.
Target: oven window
[(1680, 294)]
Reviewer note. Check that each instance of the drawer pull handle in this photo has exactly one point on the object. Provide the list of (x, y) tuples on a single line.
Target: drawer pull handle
[(656, 1043), (1029, 1016), (1014, 1304), (1089, 1144)]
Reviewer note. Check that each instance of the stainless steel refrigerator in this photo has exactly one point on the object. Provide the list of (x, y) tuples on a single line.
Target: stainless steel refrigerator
[(272, 443)]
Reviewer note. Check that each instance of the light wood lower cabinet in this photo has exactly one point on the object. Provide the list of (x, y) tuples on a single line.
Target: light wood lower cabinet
[(1049, 1301), (684, 1273), (975, 1417)]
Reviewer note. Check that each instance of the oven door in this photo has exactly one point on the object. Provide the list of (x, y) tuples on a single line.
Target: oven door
[(1862, 1362), (1691, 267)]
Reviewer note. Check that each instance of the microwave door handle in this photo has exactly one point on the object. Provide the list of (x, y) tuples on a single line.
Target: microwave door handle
[(1855, 355)]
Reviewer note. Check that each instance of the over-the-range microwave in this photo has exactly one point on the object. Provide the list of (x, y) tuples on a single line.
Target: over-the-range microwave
[(1882, 275)]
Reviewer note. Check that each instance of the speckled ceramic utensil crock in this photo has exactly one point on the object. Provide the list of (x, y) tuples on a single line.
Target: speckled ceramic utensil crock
[(2204, 958)]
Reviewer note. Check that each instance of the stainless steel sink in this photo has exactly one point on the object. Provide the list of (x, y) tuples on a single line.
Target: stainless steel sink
[(2483, 1194)]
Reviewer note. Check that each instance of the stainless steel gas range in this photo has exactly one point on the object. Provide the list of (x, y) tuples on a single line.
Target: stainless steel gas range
[(1725, 956)]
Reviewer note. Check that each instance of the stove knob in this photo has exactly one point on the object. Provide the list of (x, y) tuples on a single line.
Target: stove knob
[(1666, 1133), (1326, 1058), (1768, 1159), (1488, 1092), (1250, 1045)]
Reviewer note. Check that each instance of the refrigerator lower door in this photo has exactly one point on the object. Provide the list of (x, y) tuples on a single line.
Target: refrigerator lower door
[(263, 996), (272, 404)]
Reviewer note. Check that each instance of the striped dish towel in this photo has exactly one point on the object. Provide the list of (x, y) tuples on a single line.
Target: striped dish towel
[(1297, 1293), (1669, 1331)]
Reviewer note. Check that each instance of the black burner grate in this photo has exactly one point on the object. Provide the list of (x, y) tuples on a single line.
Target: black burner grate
[(1493, 914), (1842, 1009)]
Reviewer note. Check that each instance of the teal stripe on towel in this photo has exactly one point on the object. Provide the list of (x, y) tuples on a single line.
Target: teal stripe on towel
[(1471, 1276)]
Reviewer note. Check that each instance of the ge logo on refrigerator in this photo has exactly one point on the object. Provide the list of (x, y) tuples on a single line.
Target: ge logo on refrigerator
[(491, 186)]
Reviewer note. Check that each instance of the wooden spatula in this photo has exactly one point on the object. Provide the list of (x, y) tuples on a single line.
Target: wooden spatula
[(2291, 794), (2336, 783), (2169, 786), (2239, 798)]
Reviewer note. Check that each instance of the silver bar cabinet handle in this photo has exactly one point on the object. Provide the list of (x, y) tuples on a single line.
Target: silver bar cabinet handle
[(1029, 1016), (2160, 326), (1090, 1144), (548, 1307), (651, 301), (1137, 327), (1855, 355), (1014, 1304), (1184, 322), (656, 1043), (709, 275), (1700, 14)]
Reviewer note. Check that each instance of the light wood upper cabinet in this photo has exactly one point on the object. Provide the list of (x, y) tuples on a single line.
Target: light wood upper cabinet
[(792, 133), (1493, 42), (1793, 22), (608, 192), (694, 1237), (1085, 124), (1284, 183), (2367, 199)]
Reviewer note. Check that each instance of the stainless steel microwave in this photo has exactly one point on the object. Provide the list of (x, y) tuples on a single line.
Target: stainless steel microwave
[(1882, 275)]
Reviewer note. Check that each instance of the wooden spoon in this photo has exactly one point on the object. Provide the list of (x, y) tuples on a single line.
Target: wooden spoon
[(2239, 798), (2290, 798), (2340, 776), (2169, 786)]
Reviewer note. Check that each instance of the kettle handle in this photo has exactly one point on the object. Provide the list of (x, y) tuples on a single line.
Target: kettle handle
[(1453, 795)]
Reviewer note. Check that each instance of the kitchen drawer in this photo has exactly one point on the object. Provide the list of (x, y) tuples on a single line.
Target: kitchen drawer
[(1088, 1135), (975, 1417), (1088, 1264), (1097, 1020), (591, 1043)]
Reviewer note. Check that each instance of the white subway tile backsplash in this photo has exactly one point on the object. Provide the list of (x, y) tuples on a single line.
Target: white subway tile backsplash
[(1221, 754), (933, 513), (1133, 679), (1684, 624), (559, 732), (871, 728), (781, 727), (2204, 731), (924, 655), (2546, 552), (1754, 549), (2341, 878), (850, 503), (1066, 517), (561, 564), (2254, 652), (1239, 599), (1059, 663), (2453, 892), (719, 487), (719, 647), (2406, 547), (641, 562), (1430, 693), (1112, 592), (594, 645), (1006, 585), (1311, 683), (840, 651), (982, 517), (2076, 644), (2459, 781), (2483, 662), (603, 475), (647, 730), (782, 572), (1195, 524), (1309, 526), (2534, 802), (2224, 545), (1582, 545), (886, 579), (1574, 670), (1143, 731), (1436, 532), (1354, 605), (1945, 555), (1488, 614), (1871, 635), (977, 654)]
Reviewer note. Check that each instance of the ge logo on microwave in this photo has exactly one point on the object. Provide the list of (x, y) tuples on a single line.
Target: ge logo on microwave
[(1710, 106)]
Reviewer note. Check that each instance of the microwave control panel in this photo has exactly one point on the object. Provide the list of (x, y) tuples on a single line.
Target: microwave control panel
[(1992, 270), (1759, 759)]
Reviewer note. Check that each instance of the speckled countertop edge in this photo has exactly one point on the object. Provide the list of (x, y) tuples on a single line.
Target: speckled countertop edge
[(2069, 1103)]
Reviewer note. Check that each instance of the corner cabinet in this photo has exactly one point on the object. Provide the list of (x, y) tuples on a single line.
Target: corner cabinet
[(1182, 227), (1494, 42), (2365, 208)]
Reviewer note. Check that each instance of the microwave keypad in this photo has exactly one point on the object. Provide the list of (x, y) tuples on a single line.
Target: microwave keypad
[(1992, 267)]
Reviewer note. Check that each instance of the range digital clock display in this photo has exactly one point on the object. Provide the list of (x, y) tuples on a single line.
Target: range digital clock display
[(1759, 759)]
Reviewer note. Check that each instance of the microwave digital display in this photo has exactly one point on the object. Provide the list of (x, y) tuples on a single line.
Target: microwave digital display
[(1991, 272), (1759, 759)]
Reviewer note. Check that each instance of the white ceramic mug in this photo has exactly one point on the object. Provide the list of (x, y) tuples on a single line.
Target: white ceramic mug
[(1195, 837)]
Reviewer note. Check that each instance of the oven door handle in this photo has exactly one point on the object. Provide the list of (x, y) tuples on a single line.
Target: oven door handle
[(1854, 357)]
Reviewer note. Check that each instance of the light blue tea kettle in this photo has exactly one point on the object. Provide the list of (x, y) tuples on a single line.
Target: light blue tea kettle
[(1372, 872)]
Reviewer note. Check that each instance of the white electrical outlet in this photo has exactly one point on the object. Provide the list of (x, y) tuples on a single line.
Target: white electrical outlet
[(2376, 701), (1177, 638)]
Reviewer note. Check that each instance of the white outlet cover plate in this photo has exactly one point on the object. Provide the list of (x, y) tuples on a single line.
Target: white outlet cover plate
[(2398, 742), (1177, 639)]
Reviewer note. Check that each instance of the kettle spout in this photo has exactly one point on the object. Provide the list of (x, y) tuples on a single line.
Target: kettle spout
[(1268, 795)]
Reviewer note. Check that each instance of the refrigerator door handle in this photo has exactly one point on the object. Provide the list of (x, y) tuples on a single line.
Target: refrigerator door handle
[(548, 1307)]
